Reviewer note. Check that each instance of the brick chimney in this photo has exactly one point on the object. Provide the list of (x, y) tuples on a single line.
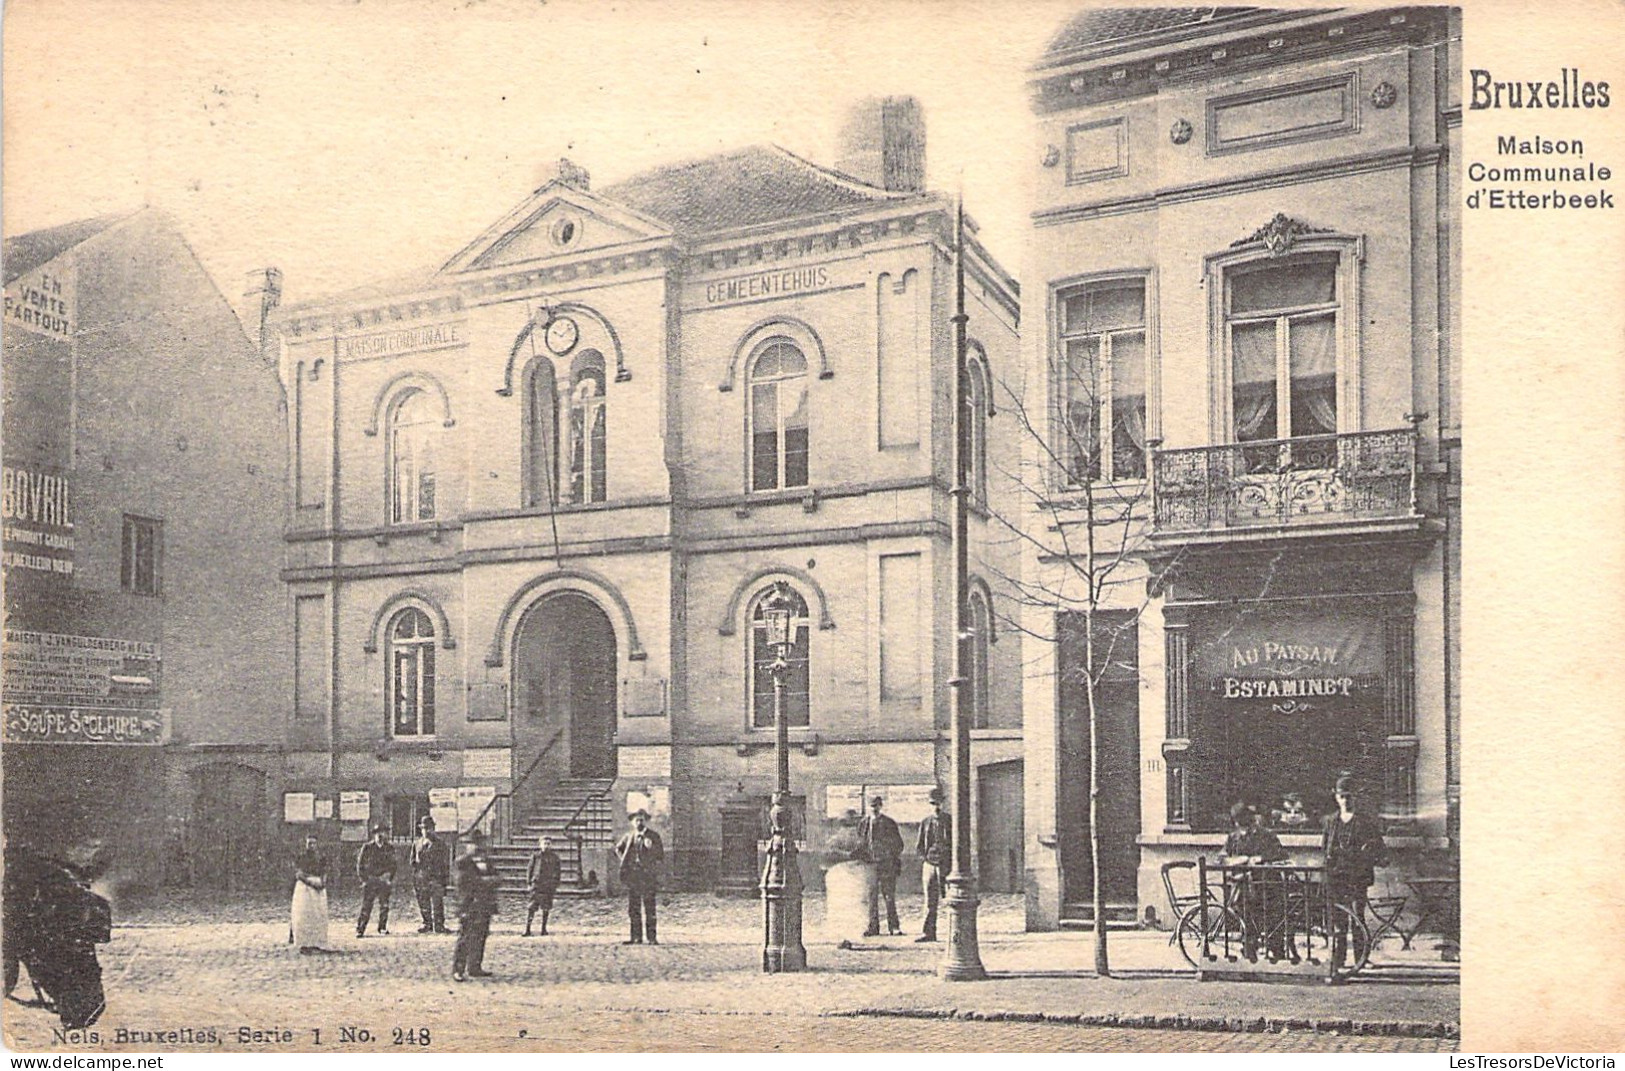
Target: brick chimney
[(263, 295), (564, 171), (883, 143)]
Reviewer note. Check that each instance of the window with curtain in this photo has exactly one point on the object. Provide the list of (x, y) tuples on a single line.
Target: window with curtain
[(976, 686), (976, 389), (414, 430), (587, 428), (797, 673), (1282, 323), (778, 416), (411, 668), (1103, 357), (541, 434)]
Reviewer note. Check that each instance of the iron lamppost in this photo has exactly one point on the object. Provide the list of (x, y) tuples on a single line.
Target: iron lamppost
[(962, 961), (782, 949)]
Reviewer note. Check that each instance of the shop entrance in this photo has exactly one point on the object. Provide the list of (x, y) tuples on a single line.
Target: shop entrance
[(1117, 699), (565, 662)]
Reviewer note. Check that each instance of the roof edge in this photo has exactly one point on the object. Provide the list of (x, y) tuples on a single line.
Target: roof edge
[(1171, 36)]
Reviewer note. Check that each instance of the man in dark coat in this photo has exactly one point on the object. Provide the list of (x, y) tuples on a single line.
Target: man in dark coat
[(1262, 899), (53, 923), (1353, 847), (883, 845), (431, 869), (640, 853), (375, 866), (476, 903), (542, 881), (935, 847)]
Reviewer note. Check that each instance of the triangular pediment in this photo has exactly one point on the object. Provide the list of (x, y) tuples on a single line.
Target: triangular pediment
[(558, 221)]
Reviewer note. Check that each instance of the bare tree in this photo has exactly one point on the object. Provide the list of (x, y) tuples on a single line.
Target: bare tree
[(1082, 506)]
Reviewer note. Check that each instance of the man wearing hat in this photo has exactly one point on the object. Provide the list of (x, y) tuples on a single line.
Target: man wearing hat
[(935, 846), (431, 869), (476, 903), (1352, 843), (375, 866), (884, 846), (640, 853)]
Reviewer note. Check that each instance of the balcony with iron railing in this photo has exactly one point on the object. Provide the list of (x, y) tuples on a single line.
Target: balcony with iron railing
[(1286, 486)]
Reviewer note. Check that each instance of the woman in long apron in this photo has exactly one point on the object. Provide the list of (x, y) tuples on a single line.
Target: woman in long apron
[(309, 929)]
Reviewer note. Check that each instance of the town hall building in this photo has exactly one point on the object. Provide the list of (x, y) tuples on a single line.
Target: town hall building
[(539, 492)]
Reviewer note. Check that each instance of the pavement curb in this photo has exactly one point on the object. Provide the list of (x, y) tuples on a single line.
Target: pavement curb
[(1219, 1023)]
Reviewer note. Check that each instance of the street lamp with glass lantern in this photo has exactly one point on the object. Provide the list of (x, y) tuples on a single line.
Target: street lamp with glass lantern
[(782, 949)]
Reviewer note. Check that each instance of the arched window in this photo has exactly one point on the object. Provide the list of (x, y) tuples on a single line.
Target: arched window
[(587, 431), (976, 683), (411, 674), (414, 433), (778, 416), (541, 434), (976, 428), (762, 656)]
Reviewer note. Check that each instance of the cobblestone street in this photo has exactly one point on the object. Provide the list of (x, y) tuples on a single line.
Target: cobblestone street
[(215, 971)]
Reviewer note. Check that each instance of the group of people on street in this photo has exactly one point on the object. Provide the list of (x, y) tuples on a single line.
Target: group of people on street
[(1351, 849), (883, 846), (375, 867), (1351, 844), (475, 880)]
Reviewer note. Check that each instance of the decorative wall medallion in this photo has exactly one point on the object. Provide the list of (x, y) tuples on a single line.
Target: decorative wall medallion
[(1279, 234), (1052, 155), (1383, 95), (1180, 132)]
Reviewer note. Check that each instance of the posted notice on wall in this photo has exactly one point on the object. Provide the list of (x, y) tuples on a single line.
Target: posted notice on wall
[(298, 806)]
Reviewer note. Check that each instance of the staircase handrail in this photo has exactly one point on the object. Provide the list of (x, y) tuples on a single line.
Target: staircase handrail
[(580, 810), (517, 785)]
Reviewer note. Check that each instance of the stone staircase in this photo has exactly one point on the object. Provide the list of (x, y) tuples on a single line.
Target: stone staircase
[(575, 813)]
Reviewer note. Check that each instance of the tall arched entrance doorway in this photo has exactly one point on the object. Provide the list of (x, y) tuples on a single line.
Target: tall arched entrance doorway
[(564, 681)]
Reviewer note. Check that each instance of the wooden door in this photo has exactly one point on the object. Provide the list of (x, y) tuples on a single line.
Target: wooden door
[(1117, 696), (1000, 866), (228, 827)]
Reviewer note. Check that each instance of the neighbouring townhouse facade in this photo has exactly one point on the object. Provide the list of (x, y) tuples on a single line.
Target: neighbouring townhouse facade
[(1242, 321), (538, 494), (145, 653)]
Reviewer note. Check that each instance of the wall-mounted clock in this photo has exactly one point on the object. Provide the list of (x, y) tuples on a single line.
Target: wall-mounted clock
[(562, 334)]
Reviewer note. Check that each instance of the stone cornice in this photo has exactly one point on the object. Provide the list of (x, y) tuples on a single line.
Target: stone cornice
[(509, 281), (831, 234), (365, 315), (840, 233), (767, 245), (473, 288), (999, 284), (1239, 21), (1097, 79)]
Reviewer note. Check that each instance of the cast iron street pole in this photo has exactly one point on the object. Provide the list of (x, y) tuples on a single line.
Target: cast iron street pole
[(963, 960), (782, 950)]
